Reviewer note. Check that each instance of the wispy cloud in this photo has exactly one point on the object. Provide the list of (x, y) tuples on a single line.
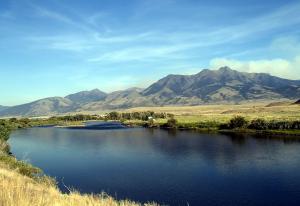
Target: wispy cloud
[(53, 15), (139, 53), (150, 44), (69, 43)]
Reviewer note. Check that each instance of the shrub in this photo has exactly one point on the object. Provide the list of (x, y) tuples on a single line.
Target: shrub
[(224, 126), (113, 116), (296, 125), (258, 124), (172, 123), (4, 131), (237, 122)]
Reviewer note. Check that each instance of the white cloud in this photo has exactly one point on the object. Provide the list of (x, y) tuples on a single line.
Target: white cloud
[(278, 67), (287, 66)]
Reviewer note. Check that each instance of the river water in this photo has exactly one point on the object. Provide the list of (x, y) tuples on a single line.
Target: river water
[(168, 167)]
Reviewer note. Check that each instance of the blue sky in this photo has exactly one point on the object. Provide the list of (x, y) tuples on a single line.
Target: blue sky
[(57, 47)]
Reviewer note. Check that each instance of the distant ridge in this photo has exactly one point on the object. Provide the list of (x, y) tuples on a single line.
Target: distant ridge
[(3, 107), (224, 85)]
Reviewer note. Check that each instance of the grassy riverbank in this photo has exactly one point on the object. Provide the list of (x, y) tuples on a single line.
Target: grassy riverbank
[(22, 184), (237, 124), (257, 118)]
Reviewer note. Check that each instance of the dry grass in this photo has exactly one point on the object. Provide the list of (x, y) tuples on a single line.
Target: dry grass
[(223, 113), (19, 190)]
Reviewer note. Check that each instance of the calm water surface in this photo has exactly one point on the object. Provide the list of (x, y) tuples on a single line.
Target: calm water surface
[(168, 167)]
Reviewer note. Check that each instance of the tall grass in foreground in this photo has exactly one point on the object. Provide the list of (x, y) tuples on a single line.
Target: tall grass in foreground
[(19, 190)]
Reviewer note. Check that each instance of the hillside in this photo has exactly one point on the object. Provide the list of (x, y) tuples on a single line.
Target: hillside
[(3, 107), (206, 87)]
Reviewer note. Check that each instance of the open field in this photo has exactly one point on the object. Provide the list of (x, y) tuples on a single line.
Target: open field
[(223, 113)]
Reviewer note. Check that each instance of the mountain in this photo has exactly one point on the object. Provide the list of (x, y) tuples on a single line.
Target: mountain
[(3, 107), (87, 96), (47, 106), (131, 97), (206, 87), (223, 85)]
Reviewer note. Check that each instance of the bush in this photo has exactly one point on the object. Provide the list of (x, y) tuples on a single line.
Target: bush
[(296, 125), (4, 130), (172, 123), (237, 122), (258, 124)]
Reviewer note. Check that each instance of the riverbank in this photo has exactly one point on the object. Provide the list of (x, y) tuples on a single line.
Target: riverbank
[(237, 124)]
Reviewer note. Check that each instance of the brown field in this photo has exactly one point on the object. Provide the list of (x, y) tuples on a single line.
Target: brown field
[(223, 113)]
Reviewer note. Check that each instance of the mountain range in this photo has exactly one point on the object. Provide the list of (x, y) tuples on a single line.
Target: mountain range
[(224, 85)]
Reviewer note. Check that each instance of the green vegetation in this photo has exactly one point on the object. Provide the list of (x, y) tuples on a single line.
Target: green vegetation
[(236, 123), (171, 123), (144, 116), (77, 117)]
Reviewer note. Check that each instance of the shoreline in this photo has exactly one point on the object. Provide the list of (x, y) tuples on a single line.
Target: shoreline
[(290, 133), (144, 124)]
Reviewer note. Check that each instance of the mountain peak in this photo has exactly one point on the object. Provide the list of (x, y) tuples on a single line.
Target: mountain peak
[(96, 90), (226, 69), (87, 96)]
